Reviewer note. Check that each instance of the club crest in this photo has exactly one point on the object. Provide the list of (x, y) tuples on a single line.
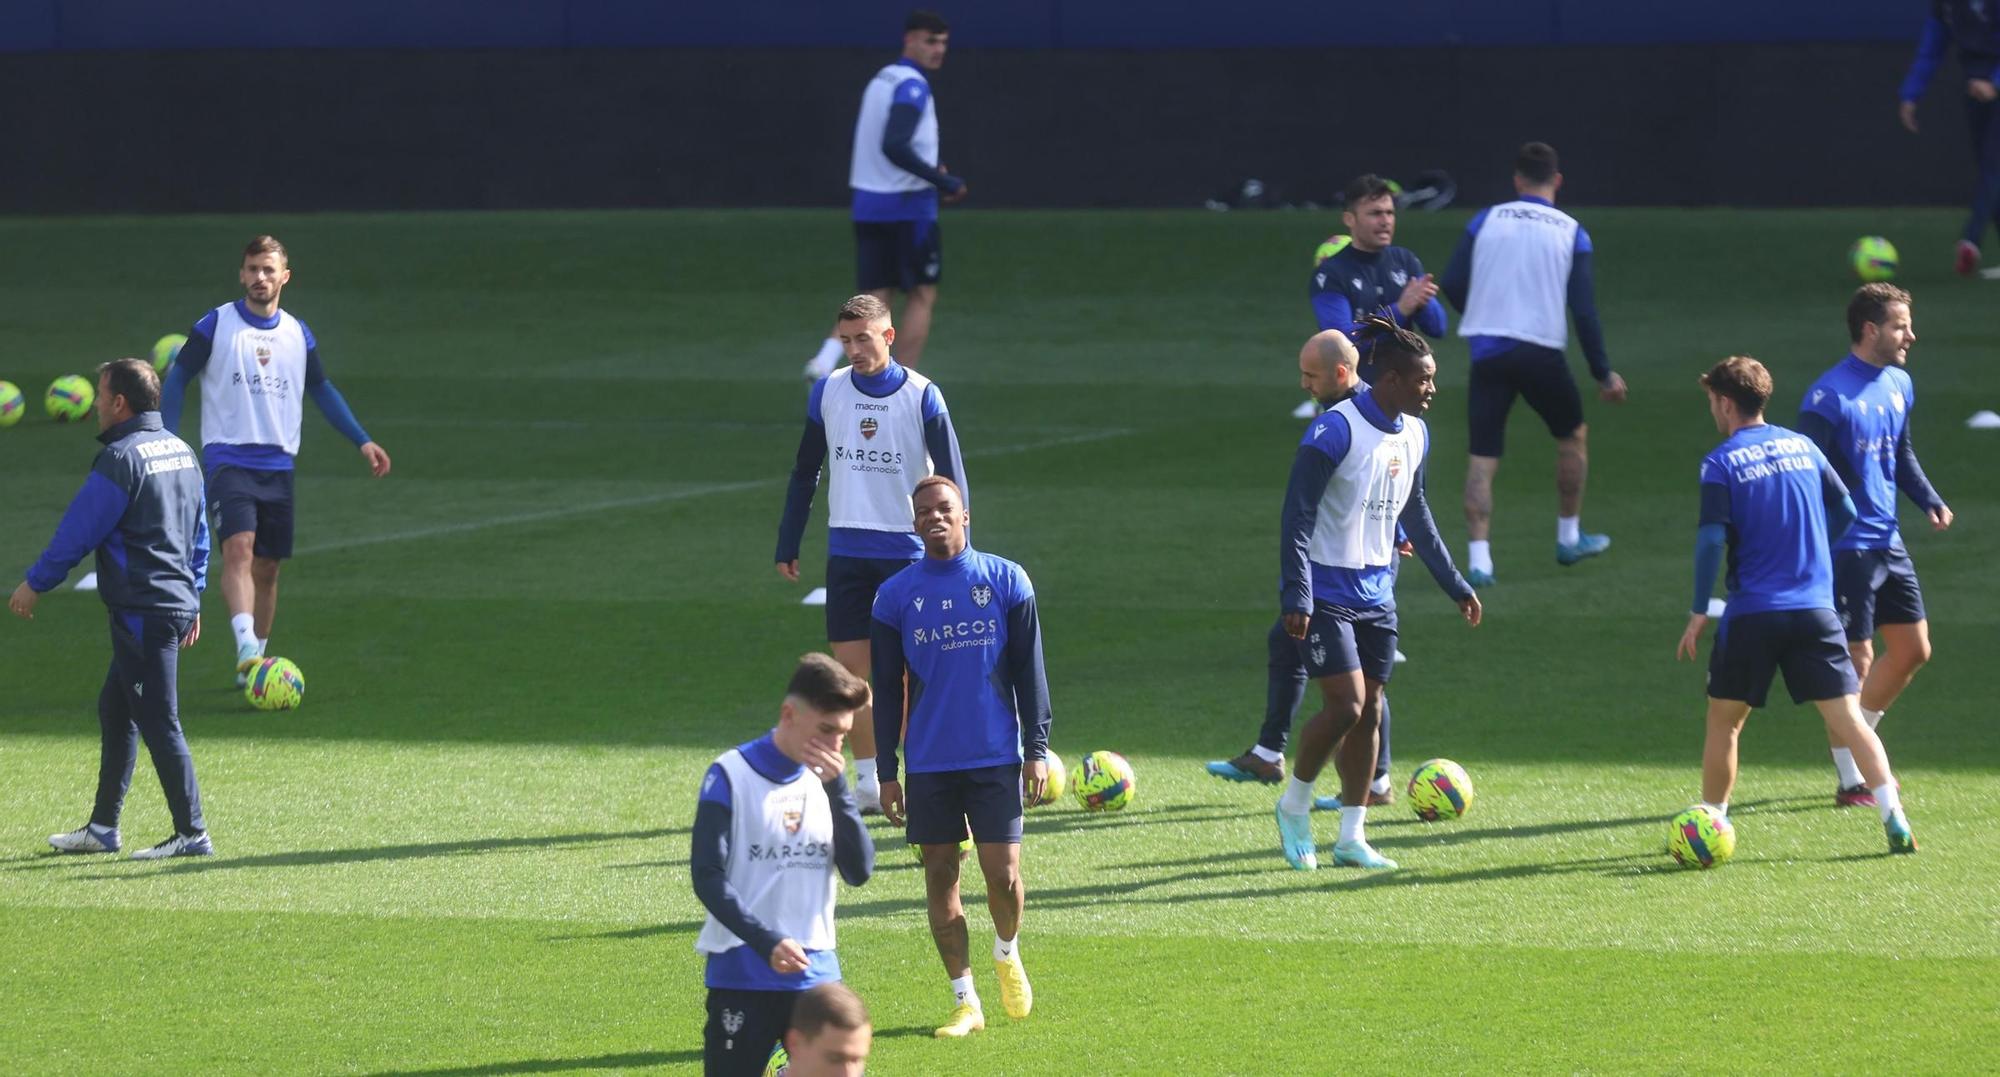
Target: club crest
[(1401, 278), (794, 817), (869, 426), (981, 595), (263, 355)]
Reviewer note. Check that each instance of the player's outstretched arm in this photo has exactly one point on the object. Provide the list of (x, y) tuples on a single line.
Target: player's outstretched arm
[(1457, 279), (91, 517), (188, 365), (941, 441), (1030, 678), (806, 469), (708, 862), (1916, 486), (1582, 295)]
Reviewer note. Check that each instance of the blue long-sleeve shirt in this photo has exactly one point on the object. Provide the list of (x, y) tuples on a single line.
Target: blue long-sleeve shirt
[(940, 440), (1354, 283), (1974, 25), (141, 512), (1859, 415), (193, 359)]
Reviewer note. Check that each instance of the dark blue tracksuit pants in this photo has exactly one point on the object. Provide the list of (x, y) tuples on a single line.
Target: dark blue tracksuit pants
[(1983, 123), (140, 699), (1286, 689)]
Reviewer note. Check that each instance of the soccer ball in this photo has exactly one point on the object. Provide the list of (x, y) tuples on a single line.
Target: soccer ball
[(1104, 782), (1057, 784), (12, 406), (1440, 789), (1333, 245), (275, 684), (69, 398), (1873, 258), (166, 350), (964, 847), (780, 1063), (1701, 838)]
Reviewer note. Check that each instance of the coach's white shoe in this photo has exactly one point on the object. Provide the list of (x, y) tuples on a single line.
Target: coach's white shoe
[(178, 845), (88, 838)]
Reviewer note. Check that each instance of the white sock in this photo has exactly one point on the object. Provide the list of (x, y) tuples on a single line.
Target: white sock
[(1843, 761), (1004, 949), (262, 646), (1873, 718), (1888, 799), (1380, 786), (864, 774), (1569, 529), (1297, 797), (244, 625), (1479, 556), (1351, 820), (1266, 754), (963, 993), (1721, 809)]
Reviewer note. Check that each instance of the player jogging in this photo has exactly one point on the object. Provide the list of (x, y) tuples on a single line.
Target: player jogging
[(1858, 414), (962, 626), (1358, 473), (885, 427), (1370, 275), (1771, 499), (1517, 267), (1974, 26), (774, 823), (898, 183), (1327, 374), (256, 362)]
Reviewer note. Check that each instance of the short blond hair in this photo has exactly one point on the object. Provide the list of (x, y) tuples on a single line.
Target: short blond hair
[(864, 308)]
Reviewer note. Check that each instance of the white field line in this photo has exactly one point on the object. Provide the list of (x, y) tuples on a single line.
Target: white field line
[(663, 497)]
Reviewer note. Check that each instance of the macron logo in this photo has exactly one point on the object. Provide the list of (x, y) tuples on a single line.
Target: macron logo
[(920, 604), (1319, 430)]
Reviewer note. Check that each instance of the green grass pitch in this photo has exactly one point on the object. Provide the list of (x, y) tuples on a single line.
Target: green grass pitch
[(467, 853)]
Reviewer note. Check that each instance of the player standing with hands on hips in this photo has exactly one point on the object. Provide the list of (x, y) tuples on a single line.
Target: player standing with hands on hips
[(962, 626)]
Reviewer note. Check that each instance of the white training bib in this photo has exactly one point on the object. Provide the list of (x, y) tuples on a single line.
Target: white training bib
[(870, 169), (876, 453), (253, 387), (780, 857), (1520, 275), (1356, 523)]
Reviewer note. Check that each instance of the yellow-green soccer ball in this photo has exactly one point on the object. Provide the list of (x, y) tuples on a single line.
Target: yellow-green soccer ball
[(275, 684), (1701, 838), (964, 847), (1056, 786), (1333, 245), (69, 398), (166, 350), (1440, 789), (1104, 782), (780, 1063), (12, 405), (1873, 258)]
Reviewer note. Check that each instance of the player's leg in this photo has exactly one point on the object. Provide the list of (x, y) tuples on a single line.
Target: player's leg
[(1906, 637), (1817, 670), (1489, 396), (1740, 668), (854, 656), (1549, 388), (994, 803), (920, 270), (1718, 751), (264, 575), (913, 325), (827, 358), (239, 594), (273, 545), (1335, 664), (934, 807), (1382, 791), (156, 712), (1375, 642), (742, 1028), (1857, 574), (851, 583), (1284, 690), (1983, 125)]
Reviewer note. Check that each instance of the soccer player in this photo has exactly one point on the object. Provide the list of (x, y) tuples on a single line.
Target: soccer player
[(962, 626), (1858, 414), (140, 510), (768, 839), (898, 184), (1771, 498), (1327, 366), (830, 1034), (1974, 25), (887, 427), (1516, 268), (1370, 274), (1358, 473), (254, 360)]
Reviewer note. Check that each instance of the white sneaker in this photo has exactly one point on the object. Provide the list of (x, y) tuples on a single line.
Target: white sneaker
[(89, 838), (1307, 410), (869, 798), (247, 656), (178, 845), (819, 366), (1400, 656)]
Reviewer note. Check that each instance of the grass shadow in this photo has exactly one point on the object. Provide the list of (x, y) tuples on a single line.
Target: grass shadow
[(376, 853), (629, 1060)]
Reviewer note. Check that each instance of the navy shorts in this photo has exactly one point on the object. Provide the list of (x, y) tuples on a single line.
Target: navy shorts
[(1875, 587), (897, 254), (851, 583), (246, 499), (742, 1028), (1536, 374), (937, 805), (1806, 644), (1342, 640)]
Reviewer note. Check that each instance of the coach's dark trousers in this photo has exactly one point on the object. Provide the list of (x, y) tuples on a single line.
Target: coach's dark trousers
[(140, 699), (1983, 123)]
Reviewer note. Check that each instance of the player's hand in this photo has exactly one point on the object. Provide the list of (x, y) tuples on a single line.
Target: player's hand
[(1691, 639), (1612, 389), (1472, 611), (1981, 89), (377, 457), (892, 802), (788, 957), (789, 570), (1406, 548), (1940, 517), (194, 633), (951, 197), (1034, 780), (824, 759), (1419, 291), (1908, 113), (1296, 624), (23, 601)]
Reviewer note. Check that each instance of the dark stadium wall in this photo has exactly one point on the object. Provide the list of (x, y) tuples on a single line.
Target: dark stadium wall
[(91, 131)]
